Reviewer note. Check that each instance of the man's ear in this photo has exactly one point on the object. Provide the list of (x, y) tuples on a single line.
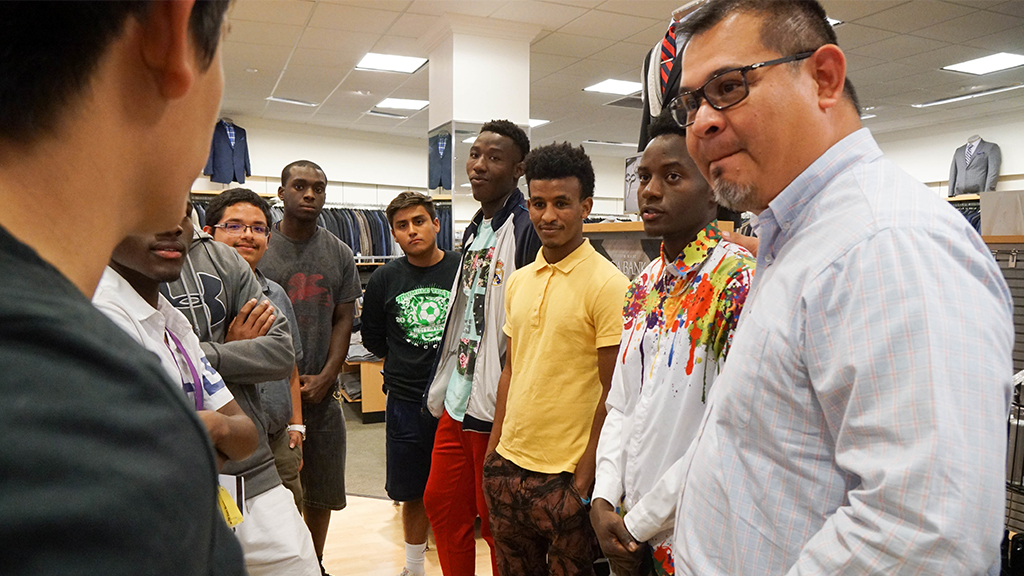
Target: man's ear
[(208, 230), (829, 69), (588, 205), (520, 170), (437, 226), (280, 193), (166, 48)]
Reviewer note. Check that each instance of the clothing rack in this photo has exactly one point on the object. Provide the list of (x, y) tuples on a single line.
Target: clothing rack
[(971, 209)]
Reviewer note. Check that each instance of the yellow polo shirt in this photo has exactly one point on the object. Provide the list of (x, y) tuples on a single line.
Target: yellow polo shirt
[(558, 315)]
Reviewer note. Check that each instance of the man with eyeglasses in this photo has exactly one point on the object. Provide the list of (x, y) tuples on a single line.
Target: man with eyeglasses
[(859, 425), (229, 309)]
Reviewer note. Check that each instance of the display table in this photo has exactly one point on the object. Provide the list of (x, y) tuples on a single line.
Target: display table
[(371, 381)]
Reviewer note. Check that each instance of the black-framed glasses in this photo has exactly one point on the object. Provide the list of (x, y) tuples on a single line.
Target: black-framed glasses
[(722, 90), (237, 228)]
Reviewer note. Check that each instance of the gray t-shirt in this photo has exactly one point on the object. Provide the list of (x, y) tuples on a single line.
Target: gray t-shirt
[(276, 395), (317, 274)]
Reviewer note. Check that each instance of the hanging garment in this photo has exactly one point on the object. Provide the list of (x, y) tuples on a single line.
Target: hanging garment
[(229, 155)]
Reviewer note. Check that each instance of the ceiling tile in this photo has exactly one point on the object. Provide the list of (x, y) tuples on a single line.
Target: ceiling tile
[(399, 46), (658, 9), (412, 25), (309, 83), (570, 45), (345, 100), (881, 74), (548, 63), (242, 107), (898, 47), (289, 112), (294, 12), (558, 86), (600, 24), (469, 7), (945, 56), (650, 36), (915, 15), (322, 39), (596, 70), (544, 14), (379, 84), (243, 85), (848, 11), (854, 35), (974, 25), (268, 59), (1011, 40), (393, 5), (580, 3), (857, 62), (324, 58), (1013, 8), (355, 19), (264, 33), (624, 53)]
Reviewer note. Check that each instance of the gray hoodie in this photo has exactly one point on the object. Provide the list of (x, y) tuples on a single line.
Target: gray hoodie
[(214, 284)]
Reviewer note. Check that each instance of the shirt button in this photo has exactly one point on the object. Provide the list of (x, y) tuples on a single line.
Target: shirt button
[(768, 259)]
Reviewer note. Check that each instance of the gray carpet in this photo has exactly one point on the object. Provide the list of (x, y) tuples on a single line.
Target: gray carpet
[(364, 465)]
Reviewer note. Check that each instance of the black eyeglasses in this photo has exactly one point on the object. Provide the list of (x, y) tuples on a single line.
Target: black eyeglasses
[(237, 228), (721, 91)]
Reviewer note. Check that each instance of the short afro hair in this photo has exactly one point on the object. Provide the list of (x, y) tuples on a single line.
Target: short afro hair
[(512, 131), (287, 172), (216, 207), (664, 124), (557, 161)]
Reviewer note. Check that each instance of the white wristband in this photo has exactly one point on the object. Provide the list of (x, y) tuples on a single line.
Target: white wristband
[(300, 428)]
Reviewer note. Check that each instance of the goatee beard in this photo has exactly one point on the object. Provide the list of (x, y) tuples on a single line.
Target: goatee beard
[(737, 197)]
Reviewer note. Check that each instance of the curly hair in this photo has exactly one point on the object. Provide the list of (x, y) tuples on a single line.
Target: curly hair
[(664, 124), (216, 207), (557, 161), (512, 131)]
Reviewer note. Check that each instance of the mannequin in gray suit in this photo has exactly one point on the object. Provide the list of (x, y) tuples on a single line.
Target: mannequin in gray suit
[(978, 175)]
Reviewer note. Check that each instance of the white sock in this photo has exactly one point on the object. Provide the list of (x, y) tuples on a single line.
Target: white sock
[(414, 556)]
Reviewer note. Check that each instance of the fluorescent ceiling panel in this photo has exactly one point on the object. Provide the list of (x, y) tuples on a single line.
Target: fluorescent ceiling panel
[(620, 87), (403, 104), (292, 101), (390, 63), (606, 143), (833, 22), (988, 64), (535, 122), (968, 96)]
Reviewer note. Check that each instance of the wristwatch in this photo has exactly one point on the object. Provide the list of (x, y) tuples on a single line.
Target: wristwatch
[(300, 428)]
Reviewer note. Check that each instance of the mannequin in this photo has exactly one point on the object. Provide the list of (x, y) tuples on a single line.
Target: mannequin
[(980, 172)]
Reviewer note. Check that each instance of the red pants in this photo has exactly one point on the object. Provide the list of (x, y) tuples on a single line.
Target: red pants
[(454, 497)]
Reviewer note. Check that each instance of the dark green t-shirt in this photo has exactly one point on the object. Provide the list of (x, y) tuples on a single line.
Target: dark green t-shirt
[(404, 309), (104, 468)]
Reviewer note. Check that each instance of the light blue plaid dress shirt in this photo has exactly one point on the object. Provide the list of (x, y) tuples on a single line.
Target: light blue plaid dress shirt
[(859, 424)]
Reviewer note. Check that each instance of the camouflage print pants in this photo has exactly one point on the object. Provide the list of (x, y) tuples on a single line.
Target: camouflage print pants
[(539, 523)]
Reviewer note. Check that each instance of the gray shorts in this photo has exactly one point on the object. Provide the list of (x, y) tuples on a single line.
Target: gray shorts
[(323, 453)]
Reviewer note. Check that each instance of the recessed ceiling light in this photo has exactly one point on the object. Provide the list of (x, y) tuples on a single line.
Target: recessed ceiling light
[(534, 122), (607, 143), (252, 70), (866, 116), (988, 64), (403, 104), (390, 63), (386, 114), (291, 101), (469, 140), (620, 87), (968, 96), (833, 22)]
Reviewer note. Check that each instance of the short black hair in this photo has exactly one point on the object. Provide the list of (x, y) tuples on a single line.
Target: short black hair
[(787, 27), (49, 51), (511, 130), (408, 199), (216, 207), (557, 161), (664, 123), (287, 172)]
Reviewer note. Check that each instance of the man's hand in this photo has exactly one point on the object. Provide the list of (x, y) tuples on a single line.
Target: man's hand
[(624, 554), (253, 320), (748, 242), (314, 387), (295, 441)]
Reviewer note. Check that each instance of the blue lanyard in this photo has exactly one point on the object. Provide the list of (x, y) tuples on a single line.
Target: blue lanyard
[(197, 383)]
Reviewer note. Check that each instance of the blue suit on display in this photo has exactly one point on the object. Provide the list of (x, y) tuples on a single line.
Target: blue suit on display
[(440, 168), (228, 160)]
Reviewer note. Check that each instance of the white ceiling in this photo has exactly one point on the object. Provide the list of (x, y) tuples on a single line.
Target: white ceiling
[(307, 50)]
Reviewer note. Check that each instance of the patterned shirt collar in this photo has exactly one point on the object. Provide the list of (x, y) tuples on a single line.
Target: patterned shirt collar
[(695, 253)]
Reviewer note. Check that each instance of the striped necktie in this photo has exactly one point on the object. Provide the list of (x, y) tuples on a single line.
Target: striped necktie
[(970, 153), (668, 56)]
